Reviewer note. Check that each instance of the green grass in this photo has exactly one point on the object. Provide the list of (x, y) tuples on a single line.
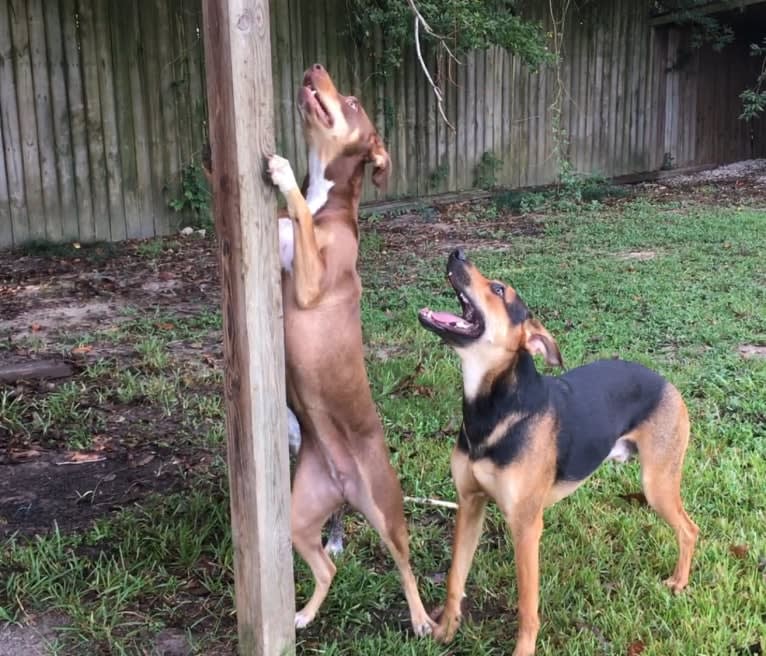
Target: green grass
[(684, 310)]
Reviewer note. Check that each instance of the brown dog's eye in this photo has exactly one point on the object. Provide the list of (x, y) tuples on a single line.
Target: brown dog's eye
[(498, 289), (352, 102)]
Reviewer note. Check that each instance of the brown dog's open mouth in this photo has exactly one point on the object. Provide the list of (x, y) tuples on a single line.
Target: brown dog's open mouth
[(310, 101), (470, 324)]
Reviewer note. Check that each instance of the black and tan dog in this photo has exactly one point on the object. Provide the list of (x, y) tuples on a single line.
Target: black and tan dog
[(529, 440)]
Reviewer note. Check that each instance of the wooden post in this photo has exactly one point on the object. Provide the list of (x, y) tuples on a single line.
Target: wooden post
[(240, 102)]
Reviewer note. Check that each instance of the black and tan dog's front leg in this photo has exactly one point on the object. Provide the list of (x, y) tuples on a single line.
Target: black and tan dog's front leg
[(472, 503), (308, 265)]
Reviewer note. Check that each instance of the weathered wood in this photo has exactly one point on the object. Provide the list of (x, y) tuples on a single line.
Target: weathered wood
[(93, 125), (25, 96), (124, 202), (9, 124), (62, 135), (103, 103), (171, 159), (78, 121), (45, 143), (141, 225), (117, 228), (240, 97)]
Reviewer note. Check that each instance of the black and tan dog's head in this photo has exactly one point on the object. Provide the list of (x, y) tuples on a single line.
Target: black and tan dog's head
[(495, 324), (337, 128)]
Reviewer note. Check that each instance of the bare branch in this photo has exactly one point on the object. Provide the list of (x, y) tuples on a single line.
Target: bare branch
[(419, 20)]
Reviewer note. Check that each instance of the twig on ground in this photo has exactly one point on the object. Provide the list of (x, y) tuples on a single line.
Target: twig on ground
[(432, 502)]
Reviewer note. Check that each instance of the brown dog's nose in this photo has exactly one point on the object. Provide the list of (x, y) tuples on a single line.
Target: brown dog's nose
[(318, 67), (458, 254)]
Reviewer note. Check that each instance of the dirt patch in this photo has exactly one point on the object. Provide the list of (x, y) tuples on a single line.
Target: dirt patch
[(49, 316), (36, 637), (752, 351), (70, 489)]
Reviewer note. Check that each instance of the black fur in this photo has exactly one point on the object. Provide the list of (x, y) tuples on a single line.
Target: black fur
[(593, 407), (517, 311)]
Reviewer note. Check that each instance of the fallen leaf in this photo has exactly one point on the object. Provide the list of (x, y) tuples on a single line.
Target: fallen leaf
[(36, 327), (164, 325), (638, 497), (27, 454), (144, 460), (635, 648), (108, 478), (739, 550), (82, 349)]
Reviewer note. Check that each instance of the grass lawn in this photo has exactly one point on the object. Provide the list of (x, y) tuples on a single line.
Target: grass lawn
[(679, 286)]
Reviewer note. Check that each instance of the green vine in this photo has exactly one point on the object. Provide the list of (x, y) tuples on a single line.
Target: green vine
[(194, 196), (463, 24), (754, 98)]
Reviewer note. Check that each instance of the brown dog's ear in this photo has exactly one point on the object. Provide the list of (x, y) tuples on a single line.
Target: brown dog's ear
[(538, 340), (381, 163)]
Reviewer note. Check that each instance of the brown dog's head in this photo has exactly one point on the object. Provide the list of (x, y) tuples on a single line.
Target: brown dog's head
[(337, 126), (495, 324)]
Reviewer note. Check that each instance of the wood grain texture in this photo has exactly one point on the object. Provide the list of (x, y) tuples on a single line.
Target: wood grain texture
[(240, 97)]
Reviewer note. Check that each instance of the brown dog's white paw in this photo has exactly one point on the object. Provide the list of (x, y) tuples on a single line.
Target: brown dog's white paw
[(423, 626), (303, 619), (281, 174)]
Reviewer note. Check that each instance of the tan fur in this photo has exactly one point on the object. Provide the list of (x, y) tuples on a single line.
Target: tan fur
[(343, 454), (524, 488)]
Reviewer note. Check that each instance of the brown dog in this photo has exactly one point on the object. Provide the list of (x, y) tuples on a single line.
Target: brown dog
[(343, 456), (528, 440)]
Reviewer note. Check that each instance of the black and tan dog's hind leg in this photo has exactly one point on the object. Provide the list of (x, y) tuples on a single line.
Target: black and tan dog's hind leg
[(662, 440)]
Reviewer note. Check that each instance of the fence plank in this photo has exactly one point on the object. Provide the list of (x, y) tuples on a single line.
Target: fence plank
[(62, 134), (117, 225), (9, 123), (6, 220), (25, 98), (46, 145), (93, 125), (123, 35)]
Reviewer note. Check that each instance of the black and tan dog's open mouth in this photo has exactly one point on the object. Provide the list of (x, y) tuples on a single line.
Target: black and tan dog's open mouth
[(469, 324)]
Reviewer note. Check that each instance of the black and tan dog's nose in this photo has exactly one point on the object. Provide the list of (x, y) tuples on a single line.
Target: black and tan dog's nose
[(458, 254)]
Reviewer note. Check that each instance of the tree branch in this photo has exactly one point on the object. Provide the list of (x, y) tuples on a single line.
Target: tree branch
[(419, 20)]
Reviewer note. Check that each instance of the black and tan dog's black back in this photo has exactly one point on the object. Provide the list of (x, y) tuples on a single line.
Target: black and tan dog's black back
[(528, 440)]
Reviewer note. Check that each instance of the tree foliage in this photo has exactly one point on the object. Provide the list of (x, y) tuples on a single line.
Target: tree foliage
[(463, 24)]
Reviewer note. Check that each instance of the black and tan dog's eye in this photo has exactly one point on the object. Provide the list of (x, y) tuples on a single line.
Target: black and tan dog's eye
[(498, 289)]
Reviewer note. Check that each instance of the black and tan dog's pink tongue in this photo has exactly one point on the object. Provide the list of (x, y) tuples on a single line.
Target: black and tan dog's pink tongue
[(446, 317)]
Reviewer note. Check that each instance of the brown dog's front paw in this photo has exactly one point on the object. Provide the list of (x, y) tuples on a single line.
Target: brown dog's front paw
[(281, 173), (447, 627)]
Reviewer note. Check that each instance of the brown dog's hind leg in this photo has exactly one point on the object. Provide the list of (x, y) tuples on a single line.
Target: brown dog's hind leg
[(378, 496), (314, 498), (661, 452)]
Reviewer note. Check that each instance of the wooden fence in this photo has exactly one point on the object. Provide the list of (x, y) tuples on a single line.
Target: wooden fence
[(101, 104), (101, 107)]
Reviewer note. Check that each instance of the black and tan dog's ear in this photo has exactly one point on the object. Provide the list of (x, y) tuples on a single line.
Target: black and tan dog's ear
[(381, 163), (538, 340)]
